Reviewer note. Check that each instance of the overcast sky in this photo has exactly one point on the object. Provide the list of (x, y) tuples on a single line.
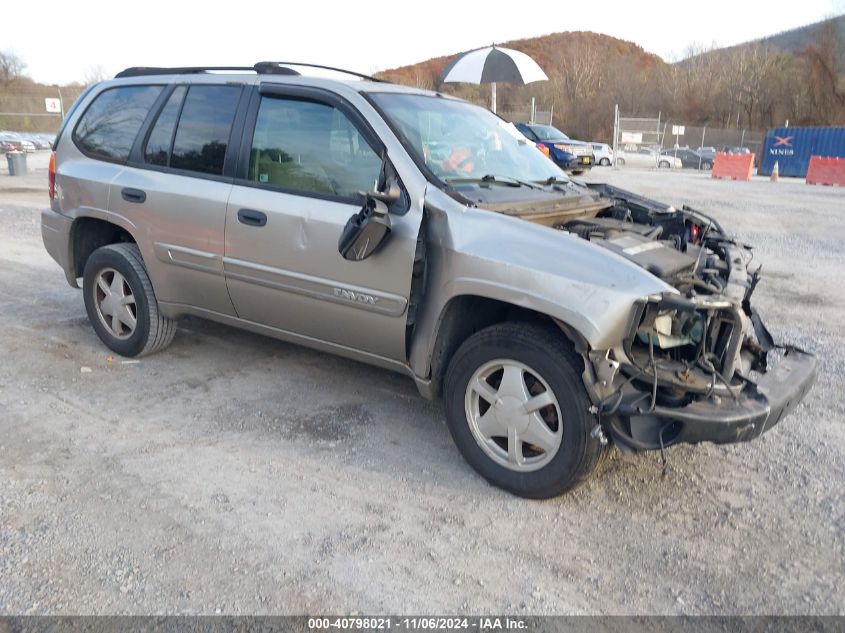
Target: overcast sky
[(62, 41)]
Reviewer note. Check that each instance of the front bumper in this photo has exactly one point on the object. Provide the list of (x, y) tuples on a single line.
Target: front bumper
[(756, 410), (568, 162)]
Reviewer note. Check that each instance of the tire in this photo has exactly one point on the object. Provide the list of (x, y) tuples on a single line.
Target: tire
[(604, 162), (546, 362), (620, 162), (707, 165), (577, 172), (663, 165), (121, 268)]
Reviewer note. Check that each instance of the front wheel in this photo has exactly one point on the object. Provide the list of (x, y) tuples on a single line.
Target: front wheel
[(663, 164), (518, 411), (604, 162)]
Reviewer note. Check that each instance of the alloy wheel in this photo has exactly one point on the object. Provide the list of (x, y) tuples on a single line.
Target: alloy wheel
[(513, 415), (115, 303)]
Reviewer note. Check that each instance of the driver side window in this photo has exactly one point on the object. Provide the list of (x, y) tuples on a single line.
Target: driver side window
[(311, 147)]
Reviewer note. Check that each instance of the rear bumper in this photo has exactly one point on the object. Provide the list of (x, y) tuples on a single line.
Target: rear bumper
[(55, 233), (755, 411)]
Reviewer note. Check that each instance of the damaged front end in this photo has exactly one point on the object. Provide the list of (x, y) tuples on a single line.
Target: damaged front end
[(696, 364)]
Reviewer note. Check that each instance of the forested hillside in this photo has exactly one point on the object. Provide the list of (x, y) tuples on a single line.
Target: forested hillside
[(751, 86)]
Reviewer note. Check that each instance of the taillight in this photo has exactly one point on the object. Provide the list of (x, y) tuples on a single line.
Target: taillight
[(51, 176)]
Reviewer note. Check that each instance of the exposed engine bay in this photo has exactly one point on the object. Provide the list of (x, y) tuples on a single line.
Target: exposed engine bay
[(695, 364)]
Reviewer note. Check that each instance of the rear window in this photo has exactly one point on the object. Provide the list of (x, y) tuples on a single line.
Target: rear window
[(202, 133), (110, 124)]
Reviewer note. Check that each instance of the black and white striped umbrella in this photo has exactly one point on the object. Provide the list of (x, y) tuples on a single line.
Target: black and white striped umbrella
[(491, 65)]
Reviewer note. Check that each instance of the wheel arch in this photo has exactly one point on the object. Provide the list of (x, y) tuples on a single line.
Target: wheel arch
[(464, 315), (88, 233)]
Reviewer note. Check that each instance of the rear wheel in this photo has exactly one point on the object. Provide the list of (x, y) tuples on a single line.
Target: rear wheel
[(518, 411), (707, 165), (604, 162), (121, 304), (620, 161)]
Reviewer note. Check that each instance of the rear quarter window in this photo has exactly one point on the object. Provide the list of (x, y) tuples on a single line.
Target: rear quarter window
[(109, 126)]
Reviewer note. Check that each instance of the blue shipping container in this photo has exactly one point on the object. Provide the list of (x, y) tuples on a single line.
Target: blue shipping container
[(792, 147)]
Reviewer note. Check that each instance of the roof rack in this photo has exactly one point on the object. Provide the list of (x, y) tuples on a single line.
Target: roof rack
[(261, 68)]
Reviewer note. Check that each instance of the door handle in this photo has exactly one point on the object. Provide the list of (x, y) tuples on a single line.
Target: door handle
[(252, 218), (133, 195)]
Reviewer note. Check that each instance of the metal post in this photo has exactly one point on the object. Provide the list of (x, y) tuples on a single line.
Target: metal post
[(703, 130), (615, 133), (742, 139), (533, 113), (61, 102), (493, 97)]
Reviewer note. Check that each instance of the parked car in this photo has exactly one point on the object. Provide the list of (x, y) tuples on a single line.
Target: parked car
[(39, 141), (689, 159), (647, 157), (708, 156), (551, 317), (572, 156), (19, 143), (738, 150), (602, 153)]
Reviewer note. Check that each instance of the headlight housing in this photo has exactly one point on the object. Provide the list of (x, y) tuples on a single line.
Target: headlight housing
[(703, 331)]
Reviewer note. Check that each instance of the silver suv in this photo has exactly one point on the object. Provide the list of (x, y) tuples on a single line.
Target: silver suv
[(420, 233)]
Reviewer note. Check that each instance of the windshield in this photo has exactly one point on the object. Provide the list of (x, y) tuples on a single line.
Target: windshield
[(460, 141), (548, 133)]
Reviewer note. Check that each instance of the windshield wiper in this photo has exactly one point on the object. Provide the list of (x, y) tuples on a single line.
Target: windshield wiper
[(504, 180), (553, 180)]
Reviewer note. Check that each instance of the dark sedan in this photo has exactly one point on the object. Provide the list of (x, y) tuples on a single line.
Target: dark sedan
[(690, 159)]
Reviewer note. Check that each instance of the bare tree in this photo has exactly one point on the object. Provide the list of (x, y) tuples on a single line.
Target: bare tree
[(581, 70), (94, 74), (826, 88), (11, 66)]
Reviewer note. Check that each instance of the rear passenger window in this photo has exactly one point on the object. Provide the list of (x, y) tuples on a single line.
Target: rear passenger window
[(203, 130), (157, 151), (310, 147), (109, 126)]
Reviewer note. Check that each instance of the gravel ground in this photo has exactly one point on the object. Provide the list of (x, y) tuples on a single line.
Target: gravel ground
[(237, 474)]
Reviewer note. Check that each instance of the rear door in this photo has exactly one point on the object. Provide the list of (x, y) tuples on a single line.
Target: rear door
[(305, 156), (175, 189)]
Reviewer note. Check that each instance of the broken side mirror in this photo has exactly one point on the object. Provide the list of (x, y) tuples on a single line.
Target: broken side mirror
[(368, 229)]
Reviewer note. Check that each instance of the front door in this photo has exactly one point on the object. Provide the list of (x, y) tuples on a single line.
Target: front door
[(310, 154)]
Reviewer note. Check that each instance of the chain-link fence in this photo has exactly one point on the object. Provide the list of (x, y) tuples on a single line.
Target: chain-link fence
[(652, 135), (694, 136), (36, 109), (530, 112)]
